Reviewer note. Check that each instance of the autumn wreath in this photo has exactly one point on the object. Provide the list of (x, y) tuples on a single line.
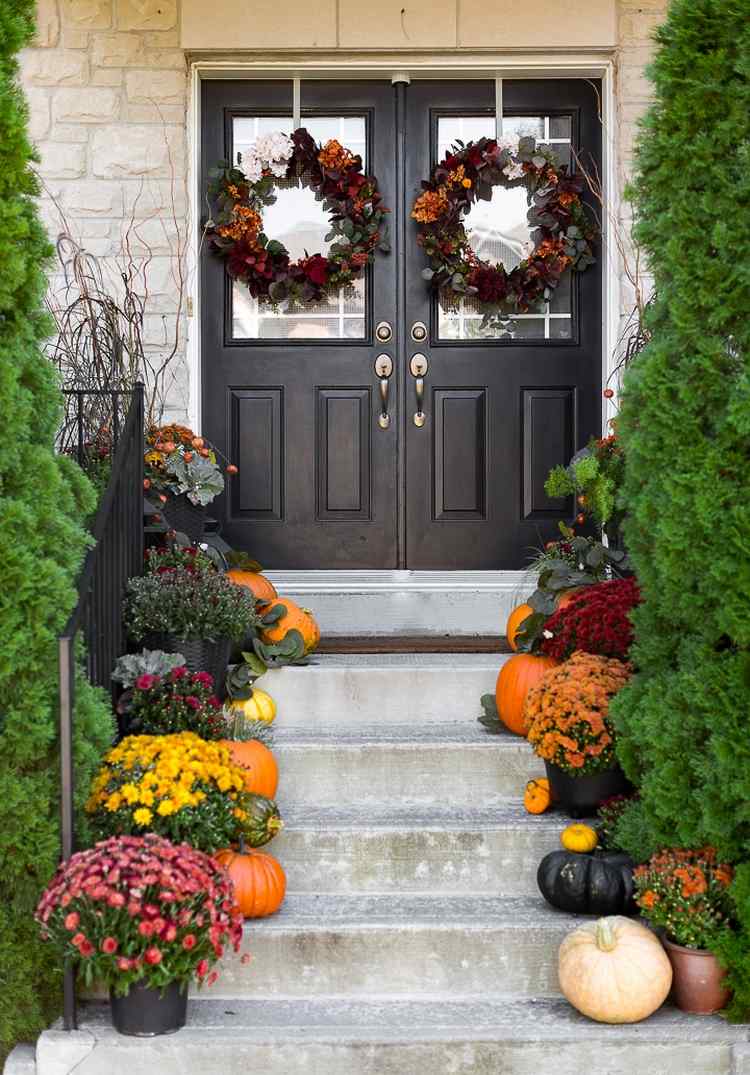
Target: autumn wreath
[(350, 197), (563, 234)]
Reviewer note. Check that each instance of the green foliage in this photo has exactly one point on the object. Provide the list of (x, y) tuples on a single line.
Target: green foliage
[(684, 720), (594, 477), (42, 500)]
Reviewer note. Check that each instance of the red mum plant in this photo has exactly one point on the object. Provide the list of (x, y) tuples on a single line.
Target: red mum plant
[(686, 893), (180, 701), (596, 621), (141, 909)]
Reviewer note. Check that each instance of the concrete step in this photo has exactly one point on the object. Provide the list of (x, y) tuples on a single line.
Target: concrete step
[(488, 1035), (416, 850), (453, 764), (407, 602), (339, 690), (400, 945)]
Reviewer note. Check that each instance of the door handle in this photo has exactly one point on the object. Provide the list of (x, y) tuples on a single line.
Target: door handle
[(419, 366), (384, 369)]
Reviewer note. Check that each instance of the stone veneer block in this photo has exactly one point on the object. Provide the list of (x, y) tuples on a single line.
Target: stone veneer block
[(260, 24), (60, 161), (117, 50), (85, 105), (135, 150), (54, 68), (149, 14), (87, 14), (39, 113), (161, 87), (47, 24), (92, 198), (398, 24), (544, 25)]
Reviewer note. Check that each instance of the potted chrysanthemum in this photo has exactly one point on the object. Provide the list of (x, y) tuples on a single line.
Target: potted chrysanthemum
[(145, 918), (567, 716)]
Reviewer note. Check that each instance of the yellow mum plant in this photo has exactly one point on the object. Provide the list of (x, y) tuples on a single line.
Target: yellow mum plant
[(179, 786)]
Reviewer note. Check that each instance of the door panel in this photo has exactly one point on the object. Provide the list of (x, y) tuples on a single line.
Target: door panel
[(502, 408), (291, 396)]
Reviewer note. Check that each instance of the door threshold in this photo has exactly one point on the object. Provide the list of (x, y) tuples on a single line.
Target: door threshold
[(370, 580), (413, 644)]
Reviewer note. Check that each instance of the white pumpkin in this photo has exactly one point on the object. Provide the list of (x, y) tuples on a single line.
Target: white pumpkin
[(614, 970)]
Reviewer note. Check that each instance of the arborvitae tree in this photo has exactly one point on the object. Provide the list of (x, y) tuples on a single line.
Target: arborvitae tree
[(684, 722), (43, 500)]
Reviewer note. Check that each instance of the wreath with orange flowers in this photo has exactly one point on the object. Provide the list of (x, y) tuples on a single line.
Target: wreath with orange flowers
[(351, 198), (563, 235)]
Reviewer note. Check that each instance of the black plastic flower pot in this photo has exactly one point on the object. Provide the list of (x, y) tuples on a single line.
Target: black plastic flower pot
[(185, 517), (579, 796), (145, 1012), (201, 655)]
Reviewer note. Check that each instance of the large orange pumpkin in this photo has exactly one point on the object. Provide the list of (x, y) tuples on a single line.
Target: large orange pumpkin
[(258, 584), (517, 676), (261, 770), (259, 881), (516, 618), (295, 618)]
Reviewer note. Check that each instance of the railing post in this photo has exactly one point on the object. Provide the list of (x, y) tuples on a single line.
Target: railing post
[(66, 656)]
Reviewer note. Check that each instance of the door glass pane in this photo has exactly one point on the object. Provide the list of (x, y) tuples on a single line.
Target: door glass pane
[(298, 221), (498, 231)]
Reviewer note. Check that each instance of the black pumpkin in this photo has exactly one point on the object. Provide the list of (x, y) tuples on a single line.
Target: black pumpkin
[(600, 883)]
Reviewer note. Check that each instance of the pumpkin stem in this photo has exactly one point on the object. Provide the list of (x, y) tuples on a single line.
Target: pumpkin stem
[(605, 936)]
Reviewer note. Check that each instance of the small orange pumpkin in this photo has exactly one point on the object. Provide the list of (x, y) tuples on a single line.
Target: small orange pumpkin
[(259, 881), (256, 583), (261, 770), (567, 596), (518, 675), (294, 618), (537, 797), (516, 618)]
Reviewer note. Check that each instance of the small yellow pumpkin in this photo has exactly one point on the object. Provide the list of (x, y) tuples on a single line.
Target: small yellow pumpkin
[(614, 970), (537, 796), (580, 838), (259, 706)]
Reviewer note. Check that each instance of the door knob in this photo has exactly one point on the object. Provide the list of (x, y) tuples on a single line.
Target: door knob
[(384, 369), (419, 366)]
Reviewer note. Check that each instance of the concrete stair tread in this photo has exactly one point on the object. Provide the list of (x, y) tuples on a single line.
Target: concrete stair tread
[(463, 733), (405, 816), (330, 912), (490, 1016)]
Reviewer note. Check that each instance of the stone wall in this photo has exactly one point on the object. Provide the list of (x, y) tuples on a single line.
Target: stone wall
[(107, 87)]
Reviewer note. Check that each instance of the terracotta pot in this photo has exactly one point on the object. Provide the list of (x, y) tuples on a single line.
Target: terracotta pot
[(698, 984)]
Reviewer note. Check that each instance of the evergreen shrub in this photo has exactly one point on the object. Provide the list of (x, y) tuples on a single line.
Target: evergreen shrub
[(42, 499), (683, 721)]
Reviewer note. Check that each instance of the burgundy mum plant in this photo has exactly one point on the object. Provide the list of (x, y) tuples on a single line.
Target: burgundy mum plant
[(596, 621), (141, 909), (180, 701)]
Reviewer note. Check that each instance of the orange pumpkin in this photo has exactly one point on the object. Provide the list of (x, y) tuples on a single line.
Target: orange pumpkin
[(537, 797), (294, 618), (259, 881), (258, 584), (567, 596), (516, 618), (261, 770), (517, 676)]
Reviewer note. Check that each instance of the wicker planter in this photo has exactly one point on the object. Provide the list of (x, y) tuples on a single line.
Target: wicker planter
[(185, 517), (579, 796), (201, 655), (145, 1012)]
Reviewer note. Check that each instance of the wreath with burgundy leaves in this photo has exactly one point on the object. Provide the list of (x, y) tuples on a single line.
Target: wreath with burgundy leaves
[(350, 197), (562, 232)]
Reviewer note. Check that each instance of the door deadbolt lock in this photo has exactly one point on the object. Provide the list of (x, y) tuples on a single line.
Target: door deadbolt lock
[(383, 332), (419, 331)]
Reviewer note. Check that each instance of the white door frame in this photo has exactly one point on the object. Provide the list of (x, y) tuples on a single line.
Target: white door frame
[(450, 64)]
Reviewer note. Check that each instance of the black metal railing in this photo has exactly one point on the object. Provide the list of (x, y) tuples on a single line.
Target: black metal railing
[(116, 556)]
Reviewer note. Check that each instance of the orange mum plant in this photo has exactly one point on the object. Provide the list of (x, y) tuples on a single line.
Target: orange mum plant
[(686, 894), (567, 713)]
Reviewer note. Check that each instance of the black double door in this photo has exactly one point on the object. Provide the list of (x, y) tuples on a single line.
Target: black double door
[(454, 478)]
